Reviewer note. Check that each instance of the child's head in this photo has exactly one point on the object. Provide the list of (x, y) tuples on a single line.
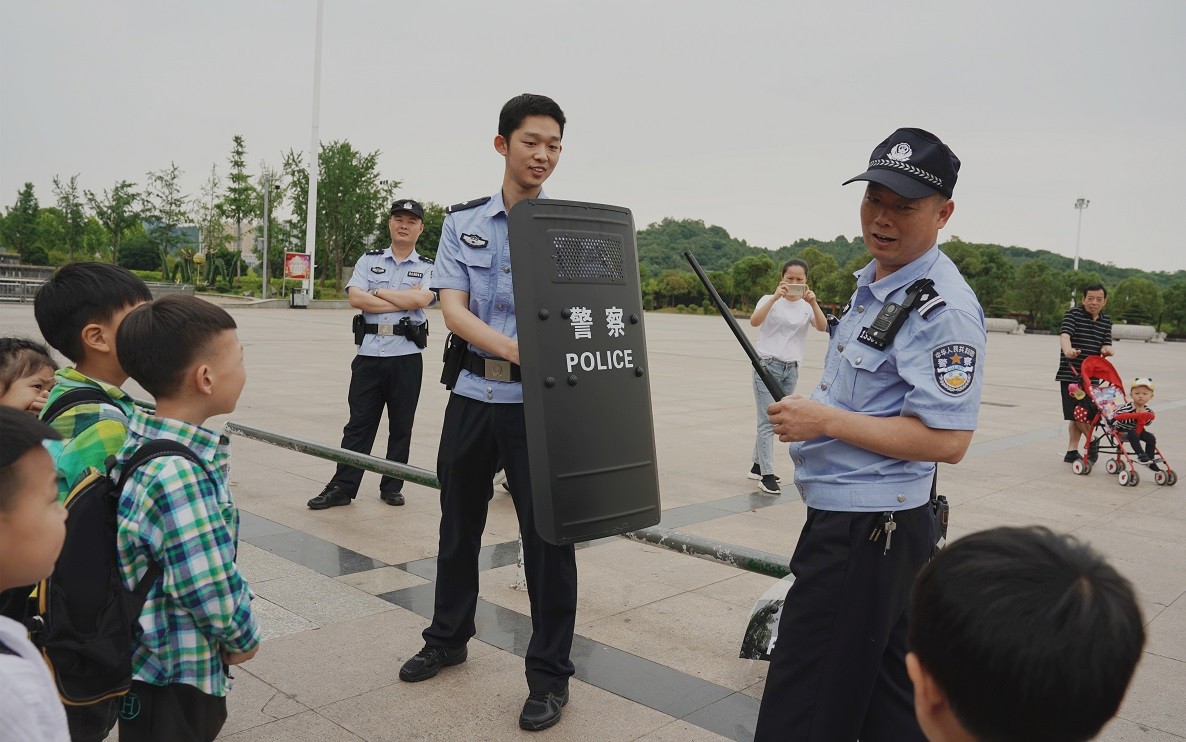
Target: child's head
[(1141, 390), (1021, 634), (182, 346), (80, 307), (26, 373), (32, 523)]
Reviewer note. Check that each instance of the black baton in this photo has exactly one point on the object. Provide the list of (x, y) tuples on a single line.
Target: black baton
[(767, 379)]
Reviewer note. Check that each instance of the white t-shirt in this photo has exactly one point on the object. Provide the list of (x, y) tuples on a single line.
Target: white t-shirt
[(30, 710), (782, 333)]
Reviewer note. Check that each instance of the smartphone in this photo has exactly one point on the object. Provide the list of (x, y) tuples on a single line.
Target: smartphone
[(796, 290)]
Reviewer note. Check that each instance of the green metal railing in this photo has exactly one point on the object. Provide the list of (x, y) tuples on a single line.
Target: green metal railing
[(742, 557)]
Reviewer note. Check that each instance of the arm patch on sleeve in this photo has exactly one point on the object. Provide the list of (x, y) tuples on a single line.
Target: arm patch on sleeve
[(954, 365)]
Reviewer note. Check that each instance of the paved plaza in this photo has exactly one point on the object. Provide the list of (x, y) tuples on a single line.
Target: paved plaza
[(343, 594)]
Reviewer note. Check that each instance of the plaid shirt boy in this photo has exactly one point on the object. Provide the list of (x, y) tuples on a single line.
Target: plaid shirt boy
[(185, 518), (91, 431)]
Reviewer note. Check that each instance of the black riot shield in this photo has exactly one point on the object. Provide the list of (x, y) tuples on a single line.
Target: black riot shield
[(582, 349)]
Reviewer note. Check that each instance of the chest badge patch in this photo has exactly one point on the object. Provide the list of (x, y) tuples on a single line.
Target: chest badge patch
[(378, 269), (474, 240), (955, 367), (415, 274)]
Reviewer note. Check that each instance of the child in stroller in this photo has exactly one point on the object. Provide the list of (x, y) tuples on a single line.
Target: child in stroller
[(1116, 422)]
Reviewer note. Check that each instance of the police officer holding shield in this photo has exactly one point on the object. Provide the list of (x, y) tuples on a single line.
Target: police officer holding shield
[(484, 421), (390, 289), (899, 392)]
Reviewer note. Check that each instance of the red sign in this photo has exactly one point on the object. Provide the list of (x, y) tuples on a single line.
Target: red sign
[(297, 265)]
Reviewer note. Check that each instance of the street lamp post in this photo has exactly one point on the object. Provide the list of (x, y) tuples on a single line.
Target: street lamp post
[(1080, 205)]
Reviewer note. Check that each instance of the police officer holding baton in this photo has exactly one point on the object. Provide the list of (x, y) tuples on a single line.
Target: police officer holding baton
[(900, 391), (390, 289)]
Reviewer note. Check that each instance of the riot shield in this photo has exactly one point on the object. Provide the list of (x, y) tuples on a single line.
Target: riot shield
[(582, 351)]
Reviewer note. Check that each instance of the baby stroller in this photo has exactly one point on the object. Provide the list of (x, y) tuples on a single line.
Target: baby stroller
[(1102, 396)]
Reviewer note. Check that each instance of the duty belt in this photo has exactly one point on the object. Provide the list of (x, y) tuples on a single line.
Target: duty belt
[(385, 329), (494, 369)]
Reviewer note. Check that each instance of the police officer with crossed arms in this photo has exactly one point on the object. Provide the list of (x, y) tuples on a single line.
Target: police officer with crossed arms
[(390, 288)]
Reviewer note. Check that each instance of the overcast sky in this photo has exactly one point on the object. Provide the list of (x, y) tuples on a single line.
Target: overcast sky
[(747, 115)]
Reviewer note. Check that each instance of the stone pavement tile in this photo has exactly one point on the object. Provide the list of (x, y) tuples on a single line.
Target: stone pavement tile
[(735, 717), (1155, 696), (258, 565), (1162, 526), (747, 529), (317, 554), (306, 727), (742, 590), (1167, 501), (484, 697), (344, 659), (320, 599), (381, 580), (252, 703), (755, 690), (1034, 503), (601, 591), (692, 633), (788, 511), (275, 621), (681, 731), (1166, 632), (1123, 730), (642, 561)]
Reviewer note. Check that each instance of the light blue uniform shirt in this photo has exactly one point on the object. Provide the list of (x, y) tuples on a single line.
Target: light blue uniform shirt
[(379, 269), (475, 256), (933, 370)]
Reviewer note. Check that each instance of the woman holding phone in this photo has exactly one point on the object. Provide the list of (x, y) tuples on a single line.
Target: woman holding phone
[(782, 319)]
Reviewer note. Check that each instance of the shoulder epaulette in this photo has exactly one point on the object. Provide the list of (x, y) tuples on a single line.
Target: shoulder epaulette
[(927, 299), (375, 252), (425, 260), (466, 205)]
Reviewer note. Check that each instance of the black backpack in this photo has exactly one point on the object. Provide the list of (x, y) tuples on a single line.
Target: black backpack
[(83, 619)]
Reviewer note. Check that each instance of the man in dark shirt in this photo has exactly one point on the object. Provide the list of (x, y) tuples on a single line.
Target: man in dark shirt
[(1085, 331)]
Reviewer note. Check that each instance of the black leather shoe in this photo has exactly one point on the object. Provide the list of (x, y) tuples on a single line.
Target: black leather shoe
[(331, 496), (392, 498), (429, 661), (1093, 451), (542, 710), (1071, 457)]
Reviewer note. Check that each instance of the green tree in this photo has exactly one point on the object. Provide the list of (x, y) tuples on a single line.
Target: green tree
[(1077, 280), (20, 222), (211, 227), (753, 277), (1174, 307), (165, 208), (1135, 301), (70, 202), (136, 251), (352, 204), (51, 235), (434, 219), (1037, 291), (116, 210), (240, 201)]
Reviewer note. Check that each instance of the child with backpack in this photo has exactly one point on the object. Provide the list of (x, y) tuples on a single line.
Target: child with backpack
[(78, 311), (32, 528), (177, 513), (26, 374)]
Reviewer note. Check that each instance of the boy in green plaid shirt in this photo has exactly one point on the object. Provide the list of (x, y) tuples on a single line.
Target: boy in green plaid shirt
[(178, 513), (79, 310)]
